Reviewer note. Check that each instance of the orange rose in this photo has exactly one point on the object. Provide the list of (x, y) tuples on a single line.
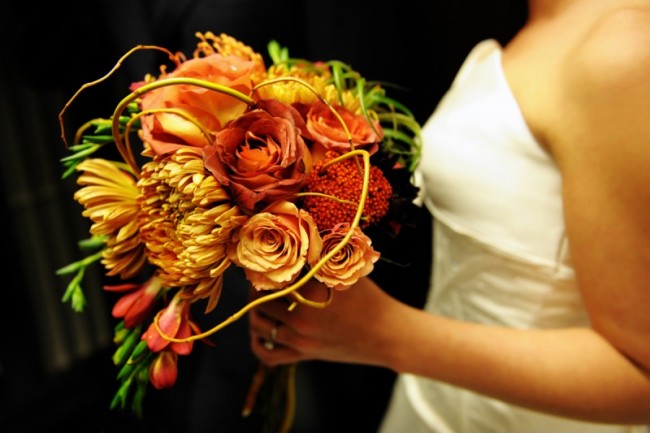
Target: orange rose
[(355, 260), (274, 246), (326, 129), (166, 131), (261, 157)]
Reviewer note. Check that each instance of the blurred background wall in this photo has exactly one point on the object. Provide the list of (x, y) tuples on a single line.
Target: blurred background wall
[(55, 364)]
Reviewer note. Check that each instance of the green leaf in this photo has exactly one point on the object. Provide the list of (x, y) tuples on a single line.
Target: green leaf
[(98, 139), (92, 243), (74, 293), (337, 74), (78, 300), (139, 350), (71, 169), (126, 371), (80, 147), (123, 352), (277, 53), (121, 395), (138, 398), (69, 269), (120, 335), (81, 155)]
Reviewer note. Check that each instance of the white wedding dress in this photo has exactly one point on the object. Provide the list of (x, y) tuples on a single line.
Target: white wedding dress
[(500, 252)]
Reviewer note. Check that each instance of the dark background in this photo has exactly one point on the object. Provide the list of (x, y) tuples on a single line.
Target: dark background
[(55, 365)]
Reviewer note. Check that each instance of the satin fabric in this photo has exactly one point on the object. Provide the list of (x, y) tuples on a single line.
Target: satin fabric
[(500, 252)]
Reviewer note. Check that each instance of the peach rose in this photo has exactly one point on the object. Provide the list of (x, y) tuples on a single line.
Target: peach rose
[(274, 246), (326, 129), (355, 260), (166, 131), (261, 157)]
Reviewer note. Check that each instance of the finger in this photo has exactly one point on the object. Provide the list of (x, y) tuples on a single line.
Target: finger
[(276, 309), (315, 291), (261, 325), (278, 355)]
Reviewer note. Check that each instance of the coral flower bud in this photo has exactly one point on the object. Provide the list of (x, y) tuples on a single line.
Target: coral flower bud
[(170, 322), (163, 371), (135, 306), (174, 322)]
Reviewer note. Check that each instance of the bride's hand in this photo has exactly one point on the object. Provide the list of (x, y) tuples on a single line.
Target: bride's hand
[(351, 328)]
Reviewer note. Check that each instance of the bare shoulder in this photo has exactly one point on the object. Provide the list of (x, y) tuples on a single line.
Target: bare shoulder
[(615, 52), (605, 85), (602, 145)]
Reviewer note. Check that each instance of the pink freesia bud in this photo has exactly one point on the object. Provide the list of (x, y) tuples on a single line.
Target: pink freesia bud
[(134, 307), (163, 371), (174, 322), (184, 331)]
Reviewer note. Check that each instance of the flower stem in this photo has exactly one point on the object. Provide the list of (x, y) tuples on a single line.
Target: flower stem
[(253, 391), (290, 400), (276, 386)]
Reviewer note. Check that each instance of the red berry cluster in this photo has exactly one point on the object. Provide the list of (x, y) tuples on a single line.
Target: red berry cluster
[(344, 180)]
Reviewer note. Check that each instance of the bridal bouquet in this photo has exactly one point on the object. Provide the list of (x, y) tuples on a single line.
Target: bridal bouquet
[(286, 172)]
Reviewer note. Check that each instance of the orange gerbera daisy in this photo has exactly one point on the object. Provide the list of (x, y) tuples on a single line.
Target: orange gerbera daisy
[(109, 195)]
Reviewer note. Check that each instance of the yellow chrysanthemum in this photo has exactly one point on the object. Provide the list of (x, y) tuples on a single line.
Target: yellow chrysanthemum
[(290, 92), (186, 220), (109, 196)]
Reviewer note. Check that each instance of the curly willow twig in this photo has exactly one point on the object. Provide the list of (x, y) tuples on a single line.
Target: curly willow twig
[(127, 155)]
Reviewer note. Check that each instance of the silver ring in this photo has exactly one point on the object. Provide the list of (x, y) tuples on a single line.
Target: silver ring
[(270, 343), (274, 332)]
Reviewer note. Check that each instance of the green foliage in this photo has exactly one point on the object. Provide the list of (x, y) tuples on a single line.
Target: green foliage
[(133, 357), (74, 292), (402, 134), (90, 140)]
